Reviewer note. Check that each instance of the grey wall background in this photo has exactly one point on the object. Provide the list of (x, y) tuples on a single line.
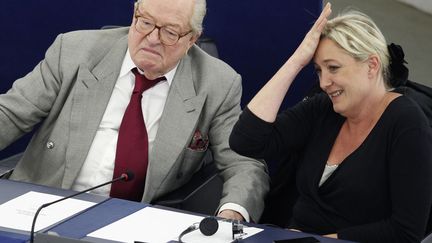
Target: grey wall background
[(403, 25)]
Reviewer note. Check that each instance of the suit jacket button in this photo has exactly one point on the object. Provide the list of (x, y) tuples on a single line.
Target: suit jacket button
[(50, 145)]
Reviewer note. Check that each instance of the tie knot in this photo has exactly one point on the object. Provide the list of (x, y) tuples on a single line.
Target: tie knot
[(142, 83)]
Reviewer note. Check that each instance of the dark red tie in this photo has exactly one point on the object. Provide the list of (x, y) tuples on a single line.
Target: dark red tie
[(132, 144)]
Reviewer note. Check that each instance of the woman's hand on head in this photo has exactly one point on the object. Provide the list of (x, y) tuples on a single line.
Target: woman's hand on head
[(268, 100), (306, 50)]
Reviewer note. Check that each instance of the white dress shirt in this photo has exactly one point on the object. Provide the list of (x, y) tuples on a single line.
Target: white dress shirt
[(102, 152), (101, 155)]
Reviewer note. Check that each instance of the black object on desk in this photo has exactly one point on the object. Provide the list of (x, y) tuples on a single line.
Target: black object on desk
[(298, 240)]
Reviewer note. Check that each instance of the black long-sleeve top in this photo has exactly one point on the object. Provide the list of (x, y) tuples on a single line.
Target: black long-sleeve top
[(382, 192)]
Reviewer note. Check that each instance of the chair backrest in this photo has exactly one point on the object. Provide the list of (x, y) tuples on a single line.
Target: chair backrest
[(8, 164), (283, 193), (208, 45), (419, 93), (204, 186)]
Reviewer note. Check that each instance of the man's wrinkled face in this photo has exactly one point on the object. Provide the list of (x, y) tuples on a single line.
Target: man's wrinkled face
[(147, 50)]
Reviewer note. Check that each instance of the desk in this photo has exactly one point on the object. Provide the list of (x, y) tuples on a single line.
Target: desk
[(12, 189), (109, 210)]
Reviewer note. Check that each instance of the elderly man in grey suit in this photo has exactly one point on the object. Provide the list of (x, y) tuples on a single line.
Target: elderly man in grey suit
[(81, 90)]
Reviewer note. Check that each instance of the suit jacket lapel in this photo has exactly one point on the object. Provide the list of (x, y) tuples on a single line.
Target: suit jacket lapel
[(91, 94), (179, 119)]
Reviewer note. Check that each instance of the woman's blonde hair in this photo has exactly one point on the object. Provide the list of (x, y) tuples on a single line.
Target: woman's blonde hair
[(359, 36)]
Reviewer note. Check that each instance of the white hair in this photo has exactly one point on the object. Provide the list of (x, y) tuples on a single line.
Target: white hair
[(196, 21)]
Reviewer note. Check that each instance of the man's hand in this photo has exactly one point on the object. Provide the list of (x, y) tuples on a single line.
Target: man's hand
[(230, 214)]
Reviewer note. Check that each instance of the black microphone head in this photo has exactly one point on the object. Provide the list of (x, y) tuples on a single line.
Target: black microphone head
[(209, 226), (128, 176)]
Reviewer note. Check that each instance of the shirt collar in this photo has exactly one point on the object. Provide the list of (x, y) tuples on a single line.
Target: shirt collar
[(128, 65)]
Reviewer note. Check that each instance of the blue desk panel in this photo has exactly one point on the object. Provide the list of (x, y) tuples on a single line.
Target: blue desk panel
[(11, 189), (115, 209), (107, 211)]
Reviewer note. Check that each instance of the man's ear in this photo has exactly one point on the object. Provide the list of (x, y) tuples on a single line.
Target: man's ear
[(193, 39), (374, 66)]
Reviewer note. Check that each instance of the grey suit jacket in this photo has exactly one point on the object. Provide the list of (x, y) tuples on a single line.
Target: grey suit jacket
[(68, 91)]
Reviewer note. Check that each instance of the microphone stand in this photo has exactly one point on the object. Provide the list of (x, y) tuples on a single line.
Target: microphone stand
[(124, 176)]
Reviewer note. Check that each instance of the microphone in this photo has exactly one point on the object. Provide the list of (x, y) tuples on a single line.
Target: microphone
[(127, 176), (209, 226)]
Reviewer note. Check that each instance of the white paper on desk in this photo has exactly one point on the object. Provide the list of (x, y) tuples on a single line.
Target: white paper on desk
[(158, 225), (18, 213)]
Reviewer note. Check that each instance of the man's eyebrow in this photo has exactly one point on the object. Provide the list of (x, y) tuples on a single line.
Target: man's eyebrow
[(146, 14)]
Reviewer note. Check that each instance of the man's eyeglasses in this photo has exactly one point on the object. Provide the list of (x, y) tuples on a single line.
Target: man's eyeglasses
[(167, 36)]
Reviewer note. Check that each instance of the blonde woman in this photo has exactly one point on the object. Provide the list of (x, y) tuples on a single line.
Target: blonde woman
[(365, 172)]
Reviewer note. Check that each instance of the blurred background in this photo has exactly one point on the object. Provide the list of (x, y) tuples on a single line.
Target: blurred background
[(405, 22), (255, 37)]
